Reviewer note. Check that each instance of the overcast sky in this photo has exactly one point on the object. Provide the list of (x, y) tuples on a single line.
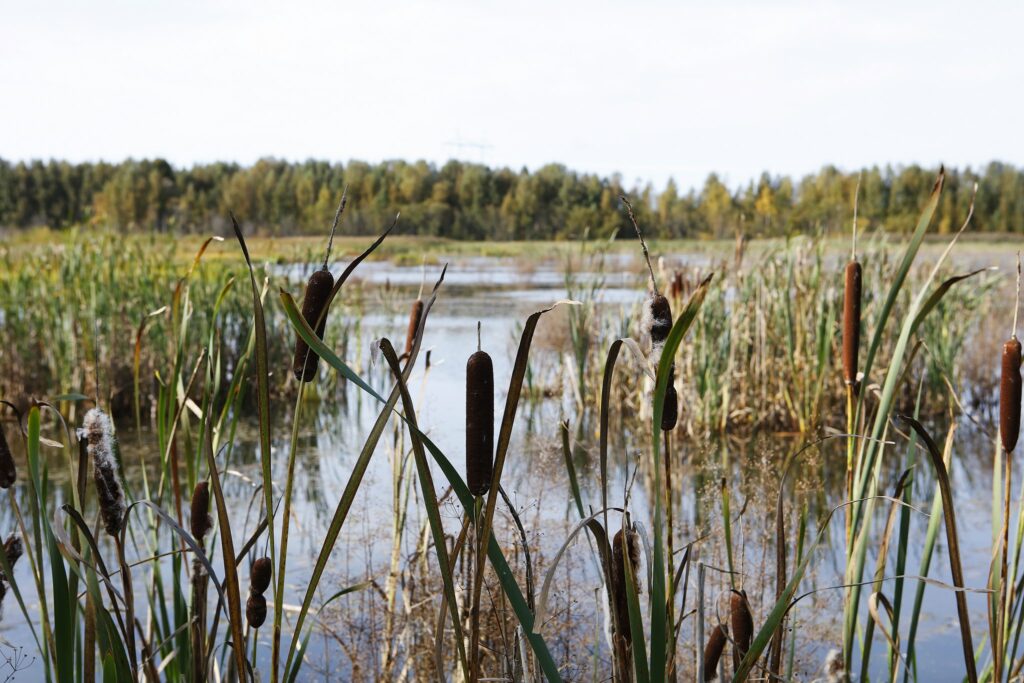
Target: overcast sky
[(649, 89)]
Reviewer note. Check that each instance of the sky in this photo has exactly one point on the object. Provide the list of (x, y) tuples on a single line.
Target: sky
[(651, 90)]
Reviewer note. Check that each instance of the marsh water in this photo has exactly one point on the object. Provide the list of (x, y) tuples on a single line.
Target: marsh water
[(499, 294)]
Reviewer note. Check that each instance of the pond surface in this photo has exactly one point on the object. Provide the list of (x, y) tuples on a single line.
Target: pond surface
[(500, 294)]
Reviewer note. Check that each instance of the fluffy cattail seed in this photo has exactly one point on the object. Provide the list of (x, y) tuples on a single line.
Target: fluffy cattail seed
[(670, 412), (1010, 395), (479, 422), (7, 472), (619, 588), (318, 291), (415, 316), (658, 318), (851, 321), (201, 523), (259, 575), (255, 610), (742, 624), (713, 652), (98, 431)]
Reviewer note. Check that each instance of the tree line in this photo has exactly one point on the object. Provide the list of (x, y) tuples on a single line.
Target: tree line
[(470, 201)]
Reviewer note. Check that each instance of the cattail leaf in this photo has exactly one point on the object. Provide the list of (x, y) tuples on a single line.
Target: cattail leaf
[(574, 484), (231, 584), (952, 540), (429, 501), (940, 292), (659, 616), (541, 613)]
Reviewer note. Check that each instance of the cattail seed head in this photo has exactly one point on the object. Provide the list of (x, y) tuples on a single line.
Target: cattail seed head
[(13, 549), (259, 575), (7, 472), (657, 319), (621, 549), (98, 430), (670, 412), (741, 622), (255, 610), (1010, 395), (851, 321), (415, 316), (479, 422), (201, 522), (713, 652), (318, 291)]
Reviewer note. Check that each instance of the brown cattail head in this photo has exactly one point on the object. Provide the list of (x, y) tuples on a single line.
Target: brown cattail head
[(255, 610), (479, 422), (1010, 395), (201, 523), (415, 316), (98, 430), (13, 549), (670, 412), (742, 624), (620, 551), (7, 472), (713, 652), (658, 319), (851, 322), (259, 576), (318, 291)]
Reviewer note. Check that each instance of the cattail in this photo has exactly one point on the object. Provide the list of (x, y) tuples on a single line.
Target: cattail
[(658, 319), (1010, 395), (414, 325), (255, 610), (259, 575), (7, 472), (619, 588), (713, 652), (742, 624), (98, 431), (670, 412), (479, 422), (318, 291), (851, 322), (201, 523), (13, 549)]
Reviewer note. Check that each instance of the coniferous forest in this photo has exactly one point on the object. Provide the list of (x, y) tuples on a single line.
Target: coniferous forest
[(461, 200)]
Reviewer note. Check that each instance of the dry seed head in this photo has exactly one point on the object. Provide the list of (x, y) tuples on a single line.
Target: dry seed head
[(7, 472), (201, 523), (98, 431), (13, 549), (414, 324), (318, 291), (741, 622), (259, 575), (619, 586), (851, 321), (1010, 395), (657, 319), (479, 422), (255, 610), (713, 652)]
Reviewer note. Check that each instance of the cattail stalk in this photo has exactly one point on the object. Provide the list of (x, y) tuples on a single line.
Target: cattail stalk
[(479, 422)]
